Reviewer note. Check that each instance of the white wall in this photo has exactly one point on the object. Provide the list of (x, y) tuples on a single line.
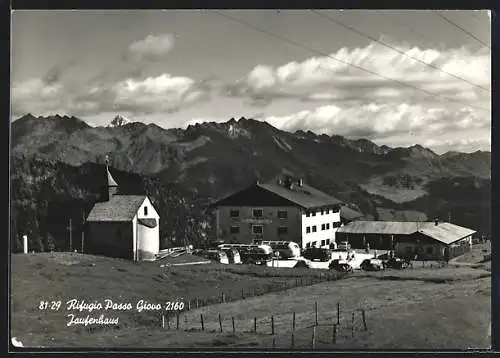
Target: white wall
[(146, 240), (318, 220)]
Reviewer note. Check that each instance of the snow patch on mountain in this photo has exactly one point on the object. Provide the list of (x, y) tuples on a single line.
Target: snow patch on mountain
[(282, 144)]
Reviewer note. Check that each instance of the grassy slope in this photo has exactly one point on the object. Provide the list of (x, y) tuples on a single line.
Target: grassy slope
[(420, 308), (401, 314), (63, 276)]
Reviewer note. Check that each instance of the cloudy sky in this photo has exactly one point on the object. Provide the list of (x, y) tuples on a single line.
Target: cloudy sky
[(395, 77)]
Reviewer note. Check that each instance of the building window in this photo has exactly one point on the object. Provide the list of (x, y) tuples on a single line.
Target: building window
[(282, 214), (257, 213), (234, 230), (282, 230), (313, 213), (335, 224), (313, 244), (323, 242), (145, 211), (314, 228), (234, 213), (328, 241), (308, 245), (328, 226), (257, 229), (308, 230)]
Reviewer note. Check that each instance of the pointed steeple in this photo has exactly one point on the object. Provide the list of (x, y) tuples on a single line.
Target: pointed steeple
[(111, 185)]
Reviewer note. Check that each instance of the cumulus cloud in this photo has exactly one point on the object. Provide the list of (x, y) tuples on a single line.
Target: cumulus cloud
[(124, 87), (152, 48), (390, 124), (326, 79), (139, 96)]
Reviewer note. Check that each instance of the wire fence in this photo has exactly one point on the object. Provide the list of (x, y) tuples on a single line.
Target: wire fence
[(291, 330)]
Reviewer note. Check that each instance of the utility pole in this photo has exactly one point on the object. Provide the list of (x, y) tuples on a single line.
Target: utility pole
[(70, 236), (83, 228)]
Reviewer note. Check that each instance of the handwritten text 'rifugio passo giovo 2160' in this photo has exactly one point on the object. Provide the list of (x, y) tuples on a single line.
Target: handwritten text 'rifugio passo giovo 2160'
[(107, 305)]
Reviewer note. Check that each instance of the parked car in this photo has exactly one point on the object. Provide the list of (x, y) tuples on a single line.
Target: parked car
[(344, 245), (397, 263), (233, 255), (301, 264), (340, 265), (372, 265), (217, 255), (315, 253)]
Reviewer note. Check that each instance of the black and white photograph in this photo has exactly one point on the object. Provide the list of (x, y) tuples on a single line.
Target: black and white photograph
[(250, 180)]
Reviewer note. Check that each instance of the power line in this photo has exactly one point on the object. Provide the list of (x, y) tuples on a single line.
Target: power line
[(460, 28), (406, 27), (339, 60), (395, 49)]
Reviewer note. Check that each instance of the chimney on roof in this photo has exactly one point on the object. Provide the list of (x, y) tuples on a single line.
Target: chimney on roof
[(288, 182), (436, 221)]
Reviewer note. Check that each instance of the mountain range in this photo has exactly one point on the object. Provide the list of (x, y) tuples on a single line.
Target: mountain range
[(210, 160)]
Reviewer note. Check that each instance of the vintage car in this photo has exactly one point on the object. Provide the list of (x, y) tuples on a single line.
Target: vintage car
[(233, 255), (217, 255), (372, 265), (344, 246), (315, 253), (340, 265), (397, 263)]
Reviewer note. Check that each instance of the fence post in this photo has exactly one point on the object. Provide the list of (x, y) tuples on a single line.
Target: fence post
[(272, 325), (334, 334), (220, 322), (242, 294), (177, 320), (223, 298), (274, 342), (293, 322), (189, 305), (364, 320), (338, 313), (255, 324), (293, 340), (352, 324), (168, 322), (315, 313), (197, 303), (234, 329), (314, 338), (162, 320), (186, 321), (202, 324)]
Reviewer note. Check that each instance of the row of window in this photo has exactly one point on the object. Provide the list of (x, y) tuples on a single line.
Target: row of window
[(259, 229), (258, 213), (322, 211), (282, 214), (326, 226), (313, 243)]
